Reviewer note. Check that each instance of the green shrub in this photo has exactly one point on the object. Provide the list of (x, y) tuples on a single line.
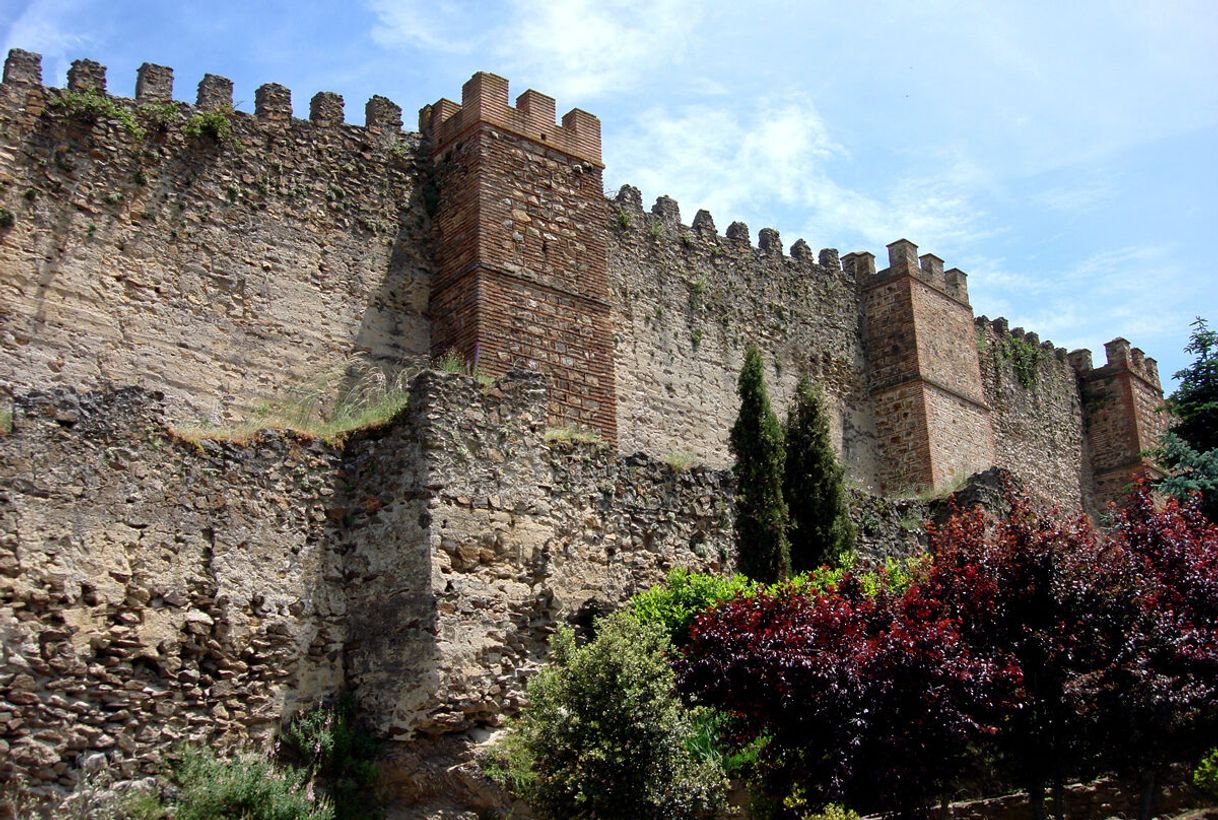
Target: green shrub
[(333, 745), (216, 125), (7, 219), (247, 787), (1205, 776), (603, 735), (673, 605)]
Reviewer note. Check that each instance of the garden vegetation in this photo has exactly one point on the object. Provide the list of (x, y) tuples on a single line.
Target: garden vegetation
[(1030, 649)]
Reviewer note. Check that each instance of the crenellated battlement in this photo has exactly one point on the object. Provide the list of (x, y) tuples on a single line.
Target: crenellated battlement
[(1002, 329), (484, 101), (154, 84), (903, 260), (502, 247), (1119, 356), (666, 213)]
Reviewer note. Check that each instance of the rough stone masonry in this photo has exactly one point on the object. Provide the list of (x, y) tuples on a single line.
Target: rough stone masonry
[(166, 263)]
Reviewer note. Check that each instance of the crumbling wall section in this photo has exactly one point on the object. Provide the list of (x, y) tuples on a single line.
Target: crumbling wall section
[(154, 589)]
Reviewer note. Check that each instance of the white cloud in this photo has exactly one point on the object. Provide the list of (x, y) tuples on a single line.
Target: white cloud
[(579, 49), (1100, 295), (46, 27), (776, 155), (590, 48), (435, 25)]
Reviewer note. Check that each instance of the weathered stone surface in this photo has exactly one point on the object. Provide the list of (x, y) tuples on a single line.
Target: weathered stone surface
[(207, 591), (212, 272)]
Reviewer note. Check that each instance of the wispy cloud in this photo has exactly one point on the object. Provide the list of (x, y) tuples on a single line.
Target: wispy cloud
[(1077, 198), (1139, 291), (579, 49), (43, 27), (776, 154), (434, 25)]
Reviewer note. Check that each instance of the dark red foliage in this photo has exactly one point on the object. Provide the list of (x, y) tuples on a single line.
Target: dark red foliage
[(1158, 699), (1043, 595), (1065, 647), (868, 700)]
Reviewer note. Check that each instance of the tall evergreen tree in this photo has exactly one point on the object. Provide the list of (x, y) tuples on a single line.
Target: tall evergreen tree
[(820, 530), (1195, 401), (761, 513), (1189, 451)]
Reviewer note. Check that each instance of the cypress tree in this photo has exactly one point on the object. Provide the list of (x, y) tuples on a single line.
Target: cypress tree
[(761, 513), (820, 530)]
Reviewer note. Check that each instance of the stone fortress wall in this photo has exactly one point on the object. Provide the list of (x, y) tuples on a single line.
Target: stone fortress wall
[(219, 271), (153, 589)]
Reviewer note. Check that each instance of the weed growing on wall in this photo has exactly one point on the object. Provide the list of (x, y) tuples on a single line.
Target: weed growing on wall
[(623, 218), (159, 115), (214, 125), (1024, 358), (90, 106), (351, 395), (572, 435), (7, 219)]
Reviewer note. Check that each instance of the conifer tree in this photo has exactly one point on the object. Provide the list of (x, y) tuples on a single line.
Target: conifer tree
[(1189, 451), (761, 513), (820, 530)]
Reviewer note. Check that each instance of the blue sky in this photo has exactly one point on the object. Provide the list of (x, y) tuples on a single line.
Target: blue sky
[(1064, 154)]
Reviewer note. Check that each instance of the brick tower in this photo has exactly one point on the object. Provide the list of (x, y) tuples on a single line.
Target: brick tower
[(1122, 419), (932, 419), (522, 277)]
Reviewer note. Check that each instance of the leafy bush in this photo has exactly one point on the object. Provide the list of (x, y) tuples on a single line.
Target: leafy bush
[(872, 699), (673, 605), (1205, 776), (7, 219), (603, 734), (215, 125), (248, 787), (332, 745)]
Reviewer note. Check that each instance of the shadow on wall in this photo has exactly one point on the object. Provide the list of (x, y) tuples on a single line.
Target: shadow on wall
[(154, 591)]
